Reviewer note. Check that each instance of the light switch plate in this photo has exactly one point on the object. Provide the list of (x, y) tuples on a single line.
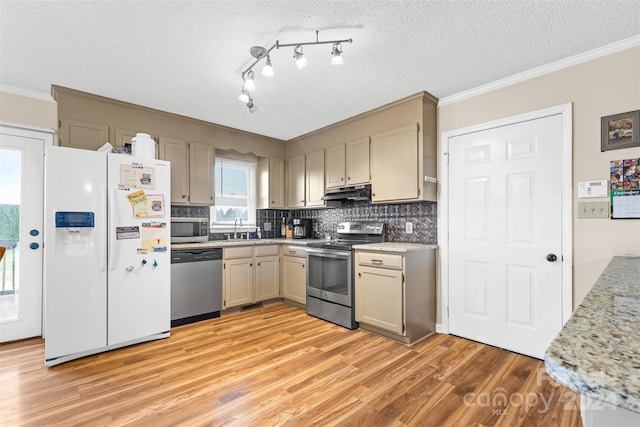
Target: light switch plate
[(409, 227), (593, 209), (267, 226)]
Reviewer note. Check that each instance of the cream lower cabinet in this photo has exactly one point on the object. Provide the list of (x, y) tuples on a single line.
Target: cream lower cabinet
[(395, 293), (293, 275), (244, 281)]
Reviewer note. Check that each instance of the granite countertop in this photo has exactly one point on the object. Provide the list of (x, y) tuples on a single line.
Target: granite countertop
[(597, 353), (243, 242), (394, 247)]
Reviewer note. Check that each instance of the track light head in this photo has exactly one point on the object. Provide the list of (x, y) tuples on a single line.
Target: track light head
[(301, 61), (267, 71), (244, 96), (250, 82), (251, 105), (336, 54)]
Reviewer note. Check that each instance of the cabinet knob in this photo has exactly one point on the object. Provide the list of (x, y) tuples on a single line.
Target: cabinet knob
[(183, 196), (251, 265), (211, 198), (341, 179), (272, 202), (373, 194), (302, 265), (348, 178), (258, 264), (301, 201), (359, 274)]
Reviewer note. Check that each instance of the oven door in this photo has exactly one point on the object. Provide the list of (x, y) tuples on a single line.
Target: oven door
[(330, 275)]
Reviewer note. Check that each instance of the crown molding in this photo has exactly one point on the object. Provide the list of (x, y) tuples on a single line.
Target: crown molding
[(26, 92), (544, 69)]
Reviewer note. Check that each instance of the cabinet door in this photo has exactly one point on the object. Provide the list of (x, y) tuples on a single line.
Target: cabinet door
[(175, 151), (238, 282), (315, 178), (295, 182), (394, 164), (201, 172), (276, 183), (357, 161), (294, 279), (334, 173), (85, 135), (267, 277), (379, 298)]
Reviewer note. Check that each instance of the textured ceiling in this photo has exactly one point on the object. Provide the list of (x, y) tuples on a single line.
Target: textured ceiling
[(186, 56)]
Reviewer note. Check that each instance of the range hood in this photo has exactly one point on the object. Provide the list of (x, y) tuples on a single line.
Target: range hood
[(353, 193)]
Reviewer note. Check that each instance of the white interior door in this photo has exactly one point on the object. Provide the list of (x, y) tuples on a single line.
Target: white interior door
[(21, 200), (505, 235)]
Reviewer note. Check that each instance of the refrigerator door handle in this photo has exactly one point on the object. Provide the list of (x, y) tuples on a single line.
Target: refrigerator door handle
[(103, 228), (112, 240)]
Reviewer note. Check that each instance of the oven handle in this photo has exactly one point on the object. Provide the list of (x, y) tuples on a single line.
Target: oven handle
[(328, 253)]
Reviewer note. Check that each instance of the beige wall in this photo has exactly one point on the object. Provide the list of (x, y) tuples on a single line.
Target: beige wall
[(601, 87), (26, 110)]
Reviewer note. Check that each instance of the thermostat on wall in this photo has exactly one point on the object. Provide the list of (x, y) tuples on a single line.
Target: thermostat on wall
[(592, 189)]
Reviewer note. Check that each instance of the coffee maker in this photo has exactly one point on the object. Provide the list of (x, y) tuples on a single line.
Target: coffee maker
[(302, 228)]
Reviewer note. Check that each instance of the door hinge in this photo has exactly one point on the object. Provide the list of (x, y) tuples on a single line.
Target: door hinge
[(418, 127), (418, 192), (224, 265), (59, 123), (402, 277)]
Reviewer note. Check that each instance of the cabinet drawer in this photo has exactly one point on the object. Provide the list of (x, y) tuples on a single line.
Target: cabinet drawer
[(377, 259), (294, 250), (239, 252), (266, 250)]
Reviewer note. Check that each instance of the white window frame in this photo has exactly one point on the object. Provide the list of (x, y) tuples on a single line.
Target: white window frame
[(250, 224)]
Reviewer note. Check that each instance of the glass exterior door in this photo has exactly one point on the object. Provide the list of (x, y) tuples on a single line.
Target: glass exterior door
[(21, 214)]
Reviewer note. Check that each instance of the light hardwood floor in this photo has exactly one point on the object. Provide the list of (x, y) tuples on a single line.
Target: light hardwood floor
[(278, 366)]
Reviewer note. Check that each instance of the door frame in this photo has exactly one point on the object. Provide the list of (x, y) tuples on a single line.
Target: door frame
[(565, 110)]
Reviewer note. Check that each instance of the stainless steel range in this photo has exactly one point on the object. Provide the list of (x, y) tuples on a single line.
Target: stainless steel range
[(330, 272)]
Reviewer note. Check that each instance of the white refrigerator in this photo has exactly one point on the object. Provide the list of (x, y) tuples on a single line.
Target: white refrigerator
[(106, 252)]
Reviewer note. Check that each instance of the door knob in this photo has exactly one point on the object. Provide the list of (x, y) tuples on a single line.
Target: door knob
[(552, 258)]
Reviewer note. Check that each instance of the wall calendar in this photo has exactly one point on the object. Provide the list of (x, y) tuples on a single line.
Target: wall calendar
[(625, 188)]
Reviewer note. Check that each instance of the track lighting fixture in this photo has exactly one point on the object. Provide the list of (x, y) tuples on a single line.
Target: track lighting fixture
[(259, 52)]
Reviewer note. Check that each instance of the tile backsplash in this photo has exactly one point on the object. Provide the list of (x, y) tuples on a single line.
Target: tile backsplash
[(395, 216)]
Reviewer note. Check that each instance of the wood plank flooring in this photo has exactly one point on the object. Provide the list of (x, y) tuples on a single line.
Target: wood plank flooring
[(275, 366)]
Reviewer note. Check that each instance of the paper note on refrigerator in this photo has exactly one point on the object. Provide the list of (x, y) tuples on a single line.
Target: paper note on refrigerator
[(153, 207), (137, 176), (154, 236), (137, 198)]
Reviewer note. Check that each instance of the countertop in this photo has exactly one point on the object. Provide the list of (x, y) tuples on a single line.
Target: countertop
[(597, 353), (243, 242), (395, 247)]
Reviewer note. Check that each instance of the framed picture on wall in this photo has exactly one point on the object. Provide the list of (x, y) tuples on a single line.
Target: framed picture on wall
[(620, 131)]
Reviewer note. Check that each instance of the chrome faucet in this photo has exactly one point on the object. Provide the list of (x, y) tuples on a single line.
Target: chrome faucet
[(235, 223)]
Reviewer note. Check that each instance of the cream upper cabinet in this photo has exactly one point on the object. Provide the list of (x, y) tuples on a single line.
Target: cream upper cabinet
[(394, 165), (315, 178), (192, 170), (335, 166), (80, 134), (271, 183), (175, 151), (201, 173), (348, 164), (357, 161), (296, 182)]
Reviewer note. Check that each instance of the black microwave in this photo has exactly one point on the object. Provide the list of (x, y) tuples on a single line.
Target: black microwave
[(189, 230)]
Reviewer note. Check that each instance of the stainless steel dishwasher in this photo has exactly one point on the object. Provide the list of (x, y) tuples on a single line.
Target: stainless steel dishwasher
[(196, 284)]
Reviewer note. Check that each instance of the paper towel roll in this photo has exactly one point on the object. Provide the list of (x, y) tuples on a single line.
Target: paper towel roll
[(142, 145)]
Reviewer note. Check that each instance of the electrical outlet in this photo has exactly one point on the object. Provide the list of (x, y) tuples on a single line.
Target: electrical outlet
[(267, 226), (408, 227), (593, 209)]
